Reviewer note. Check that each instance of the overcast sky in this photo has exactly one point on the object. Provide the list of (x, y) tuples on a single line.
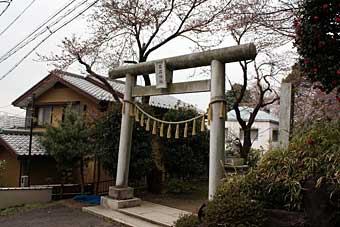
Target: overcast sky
[(31, 71)]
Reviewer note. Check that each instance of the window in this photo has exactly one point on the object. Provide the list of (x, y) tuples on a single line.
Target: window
[(44, 115), (275, 135), (254, 134), (74, 107)]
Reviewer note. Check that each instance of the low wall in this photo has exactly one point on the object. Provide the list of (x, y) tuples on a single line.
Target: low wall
[(18, 196)]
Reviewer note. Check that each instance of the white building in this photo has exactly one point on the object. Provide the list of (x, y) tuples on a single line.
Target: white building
[(265, 129), (11, 121)]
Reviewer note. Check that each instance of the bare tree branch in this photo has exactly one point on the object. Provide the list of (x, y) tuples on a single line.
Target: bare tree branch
[(100, 78)]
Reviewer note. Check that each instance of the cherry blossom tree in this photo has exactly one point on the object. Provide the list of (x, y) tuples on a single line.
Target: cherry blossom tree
[(267, 26), (134, 29)]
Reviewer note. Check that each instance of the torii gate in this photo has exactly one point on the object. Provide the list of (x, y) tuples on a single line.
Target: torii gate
[(121, 195)]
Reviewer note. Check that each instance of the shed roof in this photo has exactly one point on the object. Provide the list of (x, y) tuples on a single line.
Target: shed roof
[(245, 114), (17, 141)]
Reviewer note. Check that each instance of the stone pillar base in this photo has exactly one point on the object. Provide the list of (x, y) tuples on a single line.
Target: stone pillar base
[(121, 193), (115, 204)]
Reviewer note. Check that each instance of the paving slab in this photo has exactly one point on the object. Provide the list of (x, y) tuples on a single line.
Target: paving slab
[(155, 213), (116, 216), (146, 215)]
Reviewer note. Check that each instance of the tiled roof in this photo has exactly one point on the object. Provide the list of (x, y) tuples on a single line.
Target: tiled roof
[(86, 86), (245, 113), (93, 90), (18, 141), (164, 101)]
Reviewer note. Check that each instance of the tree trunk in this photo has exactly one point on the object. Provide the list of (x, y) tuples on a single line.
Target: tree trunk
[(155, 177), (82, 179), (98, 176), (61, 194), (147, 81), (245, 149), (94, 190)]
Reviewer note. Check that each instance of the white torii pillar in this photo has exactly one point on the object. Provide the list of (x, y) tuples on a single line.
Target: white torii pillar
[(217, 126), (125, 136), (121, 195)]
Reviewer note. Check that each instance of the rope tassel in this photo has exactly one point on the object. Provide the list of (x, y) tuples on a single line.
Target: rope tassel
[(131, 110), (168, 135), (194, 128), (145, 119), (177, 132), (142, 120), (186, 130), (222, 110), (203, 124), (136, 115), (148, 125), (154, 128), (123, 107), (161, 131), (210, 114)]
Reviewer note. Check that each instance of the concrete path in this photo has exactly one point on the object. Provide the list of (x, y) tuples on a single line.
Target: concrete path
[(146, 215)]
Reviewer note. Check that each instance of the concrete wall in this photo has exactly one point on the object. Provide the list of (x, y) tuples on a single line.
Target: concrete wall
[(10, 197), (265, 129)]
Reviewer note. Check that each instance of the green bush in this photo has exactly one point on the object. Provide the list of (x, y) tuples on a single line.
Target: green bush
[(106, 135), (2, 169), (186, 158), (277, 181), (177, 186), (188, 220), (2, 166), (313, 153), (69, 144), (254, 157), (232, 206)]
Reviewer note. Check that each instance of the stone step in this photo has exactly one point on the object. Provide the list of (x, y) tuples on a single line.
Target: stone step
[(119, 217), (115, 204), (154, 213)]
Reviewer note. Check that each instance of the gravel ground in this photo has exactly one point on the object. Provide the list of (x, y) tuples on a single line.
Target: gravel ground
[(58, 215)]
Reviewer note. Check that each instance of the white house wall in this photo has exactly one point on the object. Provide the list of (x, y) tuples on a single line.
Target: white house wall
[(265, 129)]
